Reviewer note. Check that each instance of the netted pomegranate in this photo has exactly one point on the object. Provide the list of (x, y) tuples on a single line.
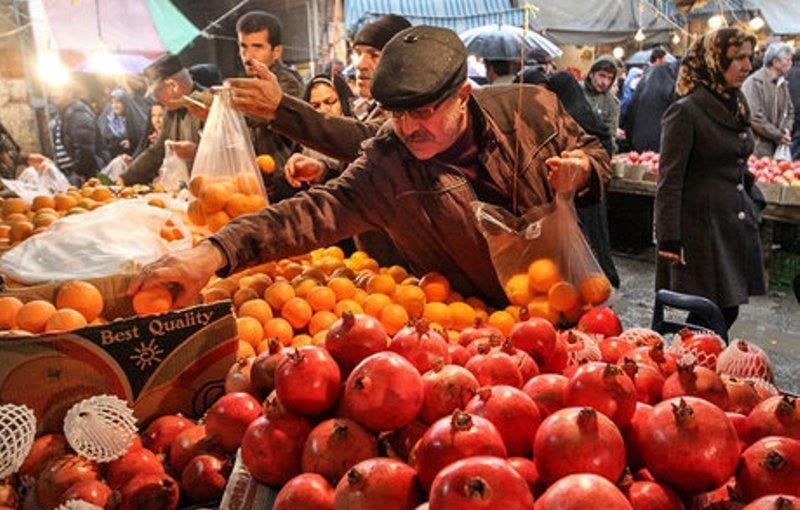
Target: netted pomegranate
[(743, 359), (705, 346)]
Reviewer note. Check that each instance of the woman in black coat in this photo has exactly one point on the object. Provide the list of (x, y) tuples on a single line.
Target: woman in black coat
[(706, 205)]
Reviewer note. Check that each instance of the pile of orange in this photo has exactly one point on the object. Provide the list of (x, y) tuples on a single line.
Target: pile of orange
[(546, 293), (220, 199), (77, 304)]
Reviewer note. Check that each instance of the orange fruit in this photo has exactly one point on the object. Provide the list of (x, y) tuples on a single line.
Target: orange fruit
[(502, 320), (14, 205), (64, 202), (435, 286), (399, 273), (82, 297), (43, 202), (594, 289), (102, 194), (412, 298), (320, 321), (254, 203), (258, 309), (196, 184), (297, 311), (321, 298), (304, 286), (215, 294), (244, 350), (562, 297), (393, 317), (334, 251), (237, 205), (242, 296), (342, 287), (196, 214), (280, 329), (250, 330), (20, 231), (257, 282), (33, 315), (319, 338), (462, 315), (374, 303), (382, 283), (247, 183), (517, 289), (266, 163), (301, 340), (9, 306), (438, 312), (213, 198), (359, 295), (542, 274), (153, 300), (513, 310), (540, 307), (347, 305), (65, 319), (278, 294), (217, 220)]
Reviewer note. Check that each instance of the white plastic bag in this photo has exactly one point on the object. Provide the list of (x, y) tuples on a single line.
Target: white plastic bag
[(115, 168), (783, 153), (174, 173), (112, 239), (47, 180)]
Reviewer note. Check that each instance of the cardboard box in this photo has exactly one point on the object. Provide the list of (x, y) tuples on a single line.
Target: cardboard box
[(771, 191), (243, 492), (790, 195), (165, 363)]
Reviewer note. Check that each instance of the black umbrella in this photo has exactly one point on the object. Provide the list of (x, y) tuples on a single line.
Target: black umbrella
[(505, 42)]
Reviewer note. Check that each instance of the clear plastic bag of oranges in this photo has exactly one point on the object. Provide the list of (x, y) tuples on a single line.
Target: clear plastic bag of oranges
[(543, 261), (225, 181)]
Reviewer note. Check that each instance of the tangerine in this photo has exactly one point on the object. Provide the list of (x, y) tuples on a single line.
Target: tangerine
[(517, 289), (33, 315), (542, 274), (562, 297), (279, 328), (435, 286), (82, 297), (266, 163), (152, 300), (65, 319), (393, 317), (297, 311), (250, 330), (594, 289), (9, 306)]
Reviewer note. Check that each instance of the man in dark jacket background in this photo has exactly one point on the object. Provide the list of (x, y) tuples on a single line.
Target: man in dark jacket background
[(793, 77)]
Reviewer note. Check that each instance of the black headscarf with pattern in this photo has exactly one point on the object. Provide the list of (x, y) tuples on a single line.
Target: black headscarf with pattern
[(705, 65)]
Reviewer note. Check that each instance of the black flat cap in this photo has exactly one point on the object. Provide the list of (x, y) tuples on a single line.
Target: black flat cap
[(418, 66), (160, 70), (378, 33)]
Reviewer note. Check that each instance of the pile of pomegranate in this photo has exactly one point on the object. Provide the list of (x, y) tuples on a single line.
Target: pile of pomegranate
[(768, 170), (649, 159), (591, 417)]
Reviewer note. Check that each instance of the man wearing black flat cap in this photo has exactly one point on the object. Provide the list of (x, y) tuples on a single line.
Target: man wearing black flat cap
[(168, 81), (417, 179)]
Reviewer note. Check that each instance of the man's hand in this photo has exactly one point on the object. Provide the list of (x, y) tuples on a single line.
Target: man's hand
[(787, 137), (35, 159), (184, 149), (258, 97), (127, 159), (675, 258), (568, 172), (300, 168), (184, 272)]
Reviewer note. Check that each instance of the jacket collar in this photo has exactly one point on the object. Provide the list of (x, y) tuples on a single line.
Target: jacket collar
[(714, 108)]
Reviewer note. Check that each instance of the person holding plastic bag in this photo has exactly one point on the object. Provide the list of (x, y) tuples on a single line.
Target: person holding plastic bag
[(706, 204), (445, 147)]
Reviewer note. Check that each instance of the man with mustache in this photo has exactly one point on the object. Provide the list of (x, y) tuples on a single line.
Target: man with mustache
[(445, 147)]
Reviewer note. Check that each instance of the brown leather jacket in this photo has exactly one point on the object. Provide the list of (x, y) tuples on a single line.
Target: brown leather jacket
[(425, 207)]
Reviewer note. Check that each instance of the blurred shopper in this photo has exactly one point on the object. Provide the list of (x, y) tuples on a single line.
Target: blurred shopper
[(597, 88), (12, 159), (706, 203), (767, 93), (121, 124), (169, 81), (208, 75), (501, 72), (155, 125), (793, 77), (653, 95)]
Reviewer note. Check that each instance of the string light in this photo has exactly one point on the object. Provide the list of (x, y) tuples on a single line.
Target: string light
[(52, 70), (716, 21), (757, 23), (676, 39), (639, 37), (618, 52)]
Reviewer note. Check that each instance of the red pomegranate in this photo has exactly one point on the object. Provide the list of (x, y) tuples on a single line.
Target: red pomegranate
[(557, 362), (771, 465), (743, 359), (494, 367), (445, 388), (336, 445), (479, 331), (525, 363), (379, 483), (600, 320), (512, 412), (421, 345), (657, 356), (647, 379), (484, 345), (61, 473), (262, 373), (582, 491), (775, 503), (453, 438), (630, 433), (272, 447), (132, 463), (689, 443), (94, 492), (400, 442), (742, 395), (548, 392), (696, 381), (536, 336), (580, 347), (578, 440), (646, 495), (308, 491), (775, 416), (205, 477), (739, 422), (9, 499), (383, 392), (724, 497), (148, 491), (187, 444), (613, 349), (238, 377), (605, 387), (159, 435), (527, 470), (354, 337), (228, 418), (478, 483), (43, 449), (459, 355), (307, 380), (705, 346)]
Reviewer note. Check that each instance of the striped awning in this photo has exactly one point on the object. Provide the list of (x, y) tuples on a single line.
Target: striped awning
[(457, 15)]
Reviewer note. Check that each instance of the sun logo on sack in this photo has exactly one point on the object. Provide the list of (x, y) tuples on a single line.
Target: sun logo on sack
[(148, 354)]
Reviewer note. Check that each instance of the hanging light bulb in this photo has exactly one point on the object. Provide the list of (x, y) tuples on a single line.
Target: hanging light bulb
[(676, 38), (716, 21), (639, 37), (757, 23), (52, 70), (618, 52)]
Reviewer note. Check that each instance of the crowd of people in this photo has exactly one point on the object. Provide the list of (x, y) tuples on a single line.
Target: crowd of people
[(395, 158)]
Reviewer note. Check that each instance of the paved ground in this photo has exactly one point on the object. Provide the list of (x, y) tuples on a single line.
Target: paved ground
[(772, 321)]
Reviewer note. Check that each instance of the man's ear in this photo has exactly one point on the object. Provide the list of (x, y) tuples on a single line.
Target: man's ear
[(277, 52), (465, 90)]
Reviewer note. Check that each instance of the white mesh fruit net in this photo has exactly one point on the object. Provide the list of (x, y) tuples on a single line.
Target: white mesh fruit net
[(702, 358), (100, 428), (78, 504), (17, 431), (743, 359), (641, 336)]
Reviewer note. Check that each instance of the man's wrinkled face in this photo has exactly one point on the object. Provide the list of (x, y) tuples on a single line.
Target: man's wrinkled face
[(256, 47), (168, 93), (601, 80), (433, 128), (365, 60)]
